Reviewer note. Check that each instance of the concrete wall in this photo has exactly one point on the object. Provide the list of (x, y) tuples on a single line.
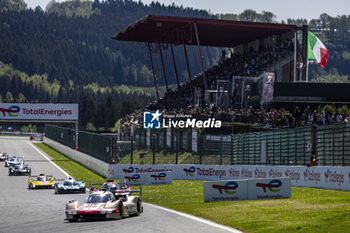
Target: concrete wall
[(98, 166)]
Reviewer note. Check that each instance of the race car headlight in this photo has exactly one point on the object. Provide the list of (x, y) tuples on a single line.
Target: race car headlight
[(33, 185), (71, 212)]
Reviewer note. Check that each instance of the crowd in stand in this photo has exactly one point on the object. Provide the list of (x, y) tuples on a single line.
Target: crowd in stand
[(260, 117), (252, 63)]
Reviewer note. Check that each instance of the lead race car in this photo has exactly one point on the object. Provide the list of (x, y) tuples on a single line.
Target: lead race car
[(14, 160), (41, 181), (20, 169), (114, 203), (70, 185)]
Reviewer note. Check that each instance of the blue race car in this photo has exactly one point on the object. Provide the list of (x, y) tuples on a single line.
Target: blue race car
[(70, 186), (14, 160)]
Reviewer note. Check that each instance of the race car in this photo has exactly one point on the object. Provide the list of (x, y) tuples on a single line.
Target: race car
[(14, 160), (70, 186), (113, 186), (41, 181), (105, 205), (20, 169), (4, 156)]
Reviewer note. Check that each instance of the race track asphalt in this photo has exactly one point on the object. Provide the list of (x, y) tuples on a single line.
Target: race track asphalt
[(36, 211)]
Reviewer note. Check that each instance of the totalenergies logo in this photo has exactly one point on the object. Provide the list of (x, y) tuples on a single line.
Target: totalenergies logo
[(134, 178), (160, 176), (273, 186), (11, 111), (229, 187), (190, 171), (129, 170)]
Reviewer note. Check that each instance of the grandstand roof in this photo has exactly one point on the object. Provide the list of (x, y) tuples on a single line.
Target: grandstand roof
[(211, 32)]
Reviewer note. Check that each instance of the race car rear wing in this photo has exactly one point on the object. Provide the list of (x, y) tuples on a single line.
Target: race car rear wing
[(48, 176), (119, 191)]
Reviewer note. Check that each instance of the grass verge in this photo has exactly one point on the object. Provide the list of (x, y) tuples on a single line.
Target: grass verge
[(309, 209), (72, 168)]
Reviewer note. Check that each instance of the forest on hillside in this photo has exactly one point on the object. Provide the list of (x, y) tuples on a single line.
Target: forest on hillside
[(64, 53)]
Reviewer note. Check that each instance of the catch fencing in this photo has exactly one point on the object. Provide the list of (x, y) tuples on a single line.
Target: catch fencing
[(288, 147), (96, 145)]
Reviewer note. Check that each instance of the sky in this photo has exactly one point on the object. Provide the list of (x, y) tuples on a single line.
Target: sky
[(309, 9)]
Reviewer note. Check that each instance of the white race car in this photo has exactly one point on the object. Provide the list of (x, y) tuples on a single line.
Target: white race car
[(105, 205), (4, 156)]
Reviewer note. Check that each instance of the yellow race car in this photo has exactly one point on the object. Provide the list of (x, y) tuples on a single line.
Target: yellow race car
[(41, 181)]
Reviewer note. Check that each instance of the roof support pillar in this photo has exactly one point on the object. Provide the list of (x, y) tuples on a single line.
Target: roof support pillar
[(163, 68), (304, 52), (188, 69), (176, 76), (200, 56), (154, 75)]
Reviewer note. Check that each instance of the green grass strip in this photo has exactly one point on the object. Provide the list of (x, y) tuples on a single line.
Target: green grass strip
[(72, 168), (309, 209)]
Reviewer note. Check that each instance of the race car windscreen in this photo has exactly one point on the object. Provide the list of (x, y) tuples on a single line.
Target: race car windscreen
[(20, 166), (99, 198), (109, 186), (70, 183), (41, 178)]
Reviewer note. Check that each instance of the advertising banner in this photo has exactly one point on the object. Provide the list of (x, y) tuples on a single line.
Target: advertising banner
[(148, 137), (269, 188), (168, 137), (134, 179), (194, 140), (141, 179), (228, 190), (318, 177), (54, 112), (268, 87), (159, 178)]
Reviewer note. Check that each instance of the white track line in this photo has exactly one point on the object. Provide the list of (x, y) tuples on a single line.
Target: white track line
[(42, 154), (213, 224), (229, 229)]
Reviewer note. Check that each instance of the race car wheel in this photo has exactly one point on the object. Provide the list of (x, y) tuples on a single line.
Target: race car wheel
[(56, 191), (121, 211), (138, 209)]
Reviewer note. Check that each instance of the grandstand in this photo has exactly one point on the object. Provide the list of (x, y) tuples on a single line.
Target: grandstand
[(229, 88)]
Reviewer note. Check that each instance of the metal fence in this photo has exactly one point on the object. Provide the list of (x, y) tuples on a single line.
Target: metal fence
[(333, 144), (135, 145), (96, 145)]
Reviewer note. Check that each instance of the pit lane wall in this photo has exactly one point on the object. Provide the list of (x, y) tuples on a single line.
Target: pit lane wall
[(326, 177), (98, 166)]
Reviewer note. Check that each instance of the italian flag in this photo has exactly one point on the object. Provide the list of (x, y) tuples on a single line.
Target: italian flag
[(316, 50)]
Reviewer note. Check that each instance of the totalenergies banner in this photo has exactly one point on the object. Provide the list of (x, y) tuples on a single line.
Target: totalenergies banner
[(14, 111), (318, 177), (247, 189), (153, 178)]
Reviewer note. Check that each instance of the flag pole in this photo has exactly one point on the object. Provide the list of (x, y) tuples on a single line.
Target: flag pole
[(295, 56)]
